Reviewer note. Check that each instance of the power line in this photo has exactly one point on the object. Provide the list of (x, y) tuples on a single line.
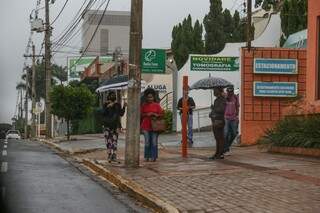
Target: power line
[(65, 3), (94, 33), (77, 33)]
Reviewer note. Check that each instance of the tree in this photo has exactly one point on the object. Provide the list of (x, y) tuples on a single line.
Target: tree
[(213, 24), (293, 17), (186, 39), (228, 25), (71, 103), (58, 72)]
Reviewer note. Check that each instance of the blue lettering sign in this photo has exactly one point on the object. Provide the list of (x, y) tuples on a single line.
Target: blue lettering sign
[(275, 89), (275, 66)]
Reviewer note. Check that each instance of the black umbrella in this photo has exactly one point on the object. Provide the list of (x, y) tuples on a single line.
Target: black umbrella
[(210, 83), (115, 80)]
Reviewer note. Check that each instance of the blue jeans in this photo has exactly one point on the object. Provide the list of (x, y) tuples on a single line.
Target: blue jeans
[(150, 145), (189, 126), (230, 133)]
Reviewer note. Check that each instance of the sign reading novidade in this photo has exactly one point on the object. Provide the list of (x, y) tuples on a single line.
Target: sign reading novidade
[(214, 63), (153, 61), (275, 66), (275, 89)]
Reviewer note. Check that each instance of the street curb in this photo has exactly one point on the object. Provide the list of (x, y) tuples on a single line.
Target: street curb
[(57, 147), (131, 188)]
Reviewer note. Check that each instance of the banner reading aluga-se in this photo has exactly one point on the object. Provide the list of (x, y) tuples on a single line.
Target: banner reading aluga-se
[(214, 63)]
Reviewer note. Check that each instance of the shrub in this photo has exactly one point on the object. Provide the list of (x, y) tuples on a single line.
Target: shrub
[(294, 132), (168, 118)]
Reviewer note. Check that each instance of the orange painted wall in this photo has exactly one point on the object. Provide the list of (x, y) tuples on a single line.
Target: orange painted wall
[(313, 54), (261, 113)]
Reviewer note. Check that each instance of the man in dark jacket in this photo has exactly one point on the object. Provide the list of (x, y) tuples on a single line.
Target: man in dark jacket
[(191, 107), (217, 118)]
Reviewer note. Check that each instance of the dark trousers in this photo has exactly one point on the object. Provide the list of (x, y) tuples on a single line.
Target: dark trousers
[(219, 136)]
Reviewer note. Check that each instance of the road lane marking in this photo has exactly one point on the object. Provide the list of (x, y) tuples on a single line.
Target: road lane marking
[(4, 153), (4, 167), (5, 146), (6, 142)]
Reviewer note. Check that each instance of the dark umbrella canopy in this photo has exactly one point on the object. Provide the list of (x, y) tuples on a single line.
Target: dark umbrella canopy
[(115, 80), (211, 83)]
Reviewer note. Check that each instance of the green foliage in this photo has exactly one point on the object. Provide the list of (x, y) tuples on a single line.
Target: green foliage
[(92, 123), (294, 132), (168, 119), (186, 39), (293, 17), (213, 23), (58, 73), (71, 103)]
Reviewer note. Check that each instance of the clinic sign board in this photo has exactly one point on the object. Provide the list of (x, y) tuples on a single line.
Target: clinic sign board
[(214, 63), (275, 66), (77, 65), (275, 89), (153, 61)]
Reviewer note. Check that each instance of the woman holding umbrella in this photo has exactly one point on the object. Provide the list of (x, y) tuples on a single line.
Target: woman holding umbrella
[(217, 109), (217, 118)]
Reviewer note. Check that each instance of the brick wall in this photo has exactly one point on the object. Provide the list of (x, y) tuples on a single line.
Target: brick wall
[(261, 113)]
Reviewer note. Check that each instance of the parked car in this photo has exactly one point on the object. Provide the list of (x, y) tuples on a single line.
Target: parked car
[(13, 134)]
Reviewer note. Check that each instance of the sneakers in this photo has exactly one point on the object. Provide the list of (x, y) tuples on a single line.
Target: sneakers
[(228, 153), (216, 158)]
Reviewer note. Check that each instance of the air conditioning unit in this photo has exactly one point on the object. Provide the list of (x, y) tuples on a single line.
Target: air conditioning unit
[(37, 25)]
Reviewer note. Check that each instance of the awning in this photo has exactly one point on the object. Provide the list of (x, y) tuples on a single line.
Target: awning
[(116, 83), (297, 40)]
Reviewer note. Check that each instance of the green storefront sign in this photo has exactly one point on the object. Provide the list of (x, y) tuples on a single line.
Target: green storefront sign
[(153, 61), (214, 63), (76, 66)]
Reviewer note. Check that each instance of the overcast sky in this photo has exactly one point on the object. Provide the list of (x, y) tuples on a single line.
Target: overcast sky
[(159, 18)]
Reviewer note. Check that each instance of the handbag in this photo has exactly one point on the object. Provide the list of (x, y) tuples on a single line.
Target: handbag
[(158, 125)]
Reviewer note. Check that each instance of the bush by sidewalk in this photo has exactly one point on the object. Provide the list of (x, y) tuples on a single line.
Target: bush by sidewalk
[(294, 132)]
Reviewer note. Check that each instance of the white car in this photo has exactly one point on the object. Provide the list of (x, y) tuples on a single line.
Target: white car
[(13, 134)]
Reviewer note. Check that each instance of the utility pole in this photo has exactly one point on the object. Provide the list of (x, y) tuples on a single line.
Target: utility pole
[(26, 104), (33, 88), (48, 70), (249, 23), (118, 67), (132, 150), (33, 92)]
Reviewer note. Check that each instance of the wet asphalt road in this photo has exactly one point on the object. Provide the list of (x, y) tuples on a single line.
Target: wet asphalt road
[(34, 179)]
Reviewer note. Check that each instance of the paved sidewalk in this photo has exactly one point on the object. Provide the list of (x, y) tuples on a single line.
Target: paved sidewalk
[(247, 181)]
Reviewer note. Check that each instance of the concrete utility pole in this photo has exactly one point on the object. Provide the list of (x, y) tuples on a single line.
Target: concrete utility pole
[(33, 92), (48, 71), (117, 54), (26, 104), (249, 23), (33, 89), (132, 150)]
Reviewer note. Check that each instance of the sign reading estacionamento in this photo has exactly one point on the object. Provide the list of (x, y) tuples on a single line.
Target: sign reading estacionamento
[(214, 63), (275, 66), (153, 61), (275, 89)]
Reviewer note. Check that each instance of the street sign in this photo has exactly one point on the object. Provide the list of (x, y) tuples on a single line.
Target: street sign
[(275, 66), (275, 89), (153, 61), (39, 108), (76, 66), (214, 63)]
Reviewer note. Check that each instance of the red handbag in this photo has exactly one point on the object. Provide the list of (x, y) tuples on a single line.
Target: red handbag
[(158, 125)]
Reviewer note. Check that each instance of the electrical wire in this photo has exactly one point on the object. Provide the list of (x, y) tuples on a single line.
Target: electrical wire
[(65, 3), (94, 33), (77, 33)]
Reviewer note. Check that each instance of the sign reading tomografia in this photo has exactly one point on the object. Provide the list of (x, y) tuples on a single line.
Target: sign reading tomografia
[(275, 66), (275, 89), (214, 63)]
